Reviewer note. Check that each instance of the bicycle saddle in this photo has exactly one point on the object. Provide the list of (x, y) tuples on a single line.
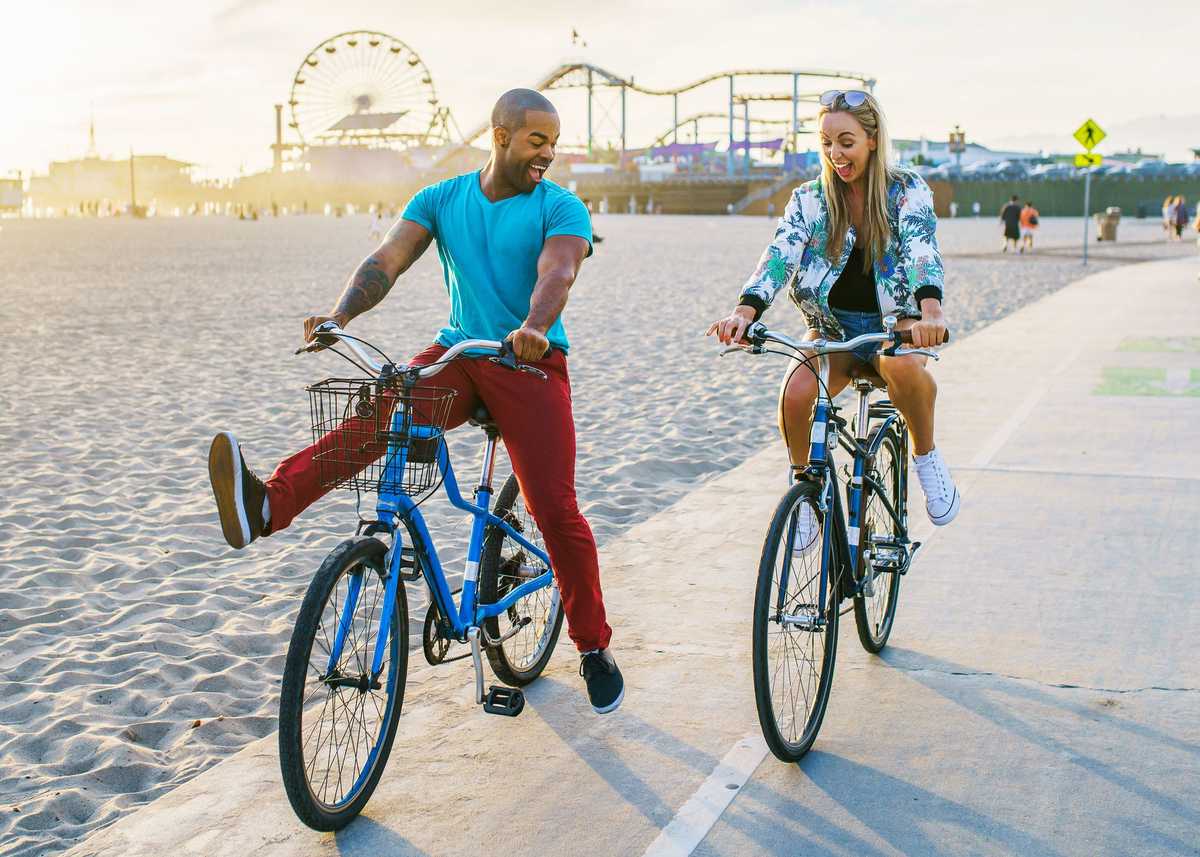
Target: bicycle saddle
[(482, 417), (863, 372)]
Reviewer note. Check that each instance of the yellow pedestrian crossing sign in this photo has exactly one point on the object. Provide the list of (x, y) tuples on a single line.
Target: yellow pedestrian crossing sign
[(1088, 160), (1089, 134)]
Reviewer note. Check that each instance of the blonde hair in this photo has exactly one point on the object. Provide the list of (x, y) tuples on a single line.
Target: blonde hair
[(873, 237)]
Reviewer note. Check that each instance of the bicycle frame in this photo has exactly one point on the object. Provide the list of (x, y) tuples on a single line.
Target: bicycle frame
[(394, 508), (841, 533)]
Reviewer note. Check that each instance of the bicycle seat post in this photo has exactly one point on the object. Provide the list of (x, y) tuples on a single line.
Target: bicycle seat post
[(483, 419), (864, 388)]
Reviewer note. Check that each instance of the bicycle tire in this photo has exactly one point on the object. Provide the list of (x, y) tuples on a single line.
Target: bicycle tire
[(875, 617), (520, 659), (792, 746), (299, 686)]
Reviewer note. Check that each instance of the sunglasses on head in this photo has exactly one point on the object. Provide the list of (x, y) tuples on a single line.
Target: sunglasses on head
[(852, 98)]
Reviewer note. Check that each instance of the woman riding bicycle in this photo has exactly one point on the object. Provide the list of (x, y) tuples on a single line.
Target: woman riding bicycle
[(853, 245)]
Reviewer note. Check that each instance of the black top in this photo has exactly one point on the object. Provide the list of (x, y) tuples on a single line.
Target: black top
[(855, 288), (1011, 215)]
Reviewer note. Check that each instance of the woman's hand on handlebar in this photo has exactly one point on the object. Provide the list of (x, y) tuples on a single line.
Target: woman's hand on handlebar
[(931, 329), (731, 328)]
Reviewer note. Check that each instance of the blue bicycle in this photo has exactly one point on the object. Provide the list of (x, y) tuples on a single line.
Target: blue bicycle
[(816, 554), (344, 678)]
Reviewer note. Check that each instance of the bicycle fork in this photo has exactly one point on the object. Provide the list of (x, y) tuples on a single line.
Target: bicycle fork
[(391, 585)]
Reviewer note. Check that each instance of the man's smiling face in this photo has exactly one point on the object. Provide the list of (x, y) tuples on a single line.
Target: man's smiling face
[(529, 150)]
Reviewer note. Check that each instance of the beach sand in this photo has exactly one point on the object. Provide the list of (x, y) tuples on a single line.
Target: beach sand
[(136, 649)]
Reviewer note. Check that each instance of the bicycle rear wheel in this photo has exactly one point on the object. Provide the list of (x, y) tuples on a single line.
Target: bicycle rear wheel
[(504, 566), (336, 727), (875, 614), (795, 637)]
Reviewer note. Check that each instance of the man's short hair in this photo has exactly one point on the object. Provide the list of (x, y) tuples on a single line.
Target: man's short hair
[(509, 112)]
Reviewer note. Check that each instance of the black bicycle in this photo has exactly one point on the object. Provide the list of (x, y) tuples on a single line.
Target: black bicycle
[(819, 552)]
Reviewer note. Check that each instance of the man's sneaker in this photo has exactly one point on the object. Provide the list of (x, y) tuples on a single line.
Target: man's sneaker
[(808, 529), (942, 499), (239, 492), (605, 686)]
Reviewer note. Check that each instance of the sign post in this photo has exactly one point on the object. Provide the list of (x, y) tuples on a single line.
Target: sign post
[(1089, 134), (1087, 208)]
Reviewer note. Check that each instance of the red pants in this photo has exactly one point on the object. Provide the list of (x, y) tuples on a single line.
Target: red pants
[(535, 420)]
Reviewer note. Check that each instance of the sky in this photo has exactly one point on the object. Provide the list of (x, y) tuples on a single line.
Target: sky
[(197, 80)]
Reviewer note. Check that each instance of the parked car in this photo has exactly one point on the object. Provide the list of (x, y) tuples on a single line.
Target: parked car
[(944, 172), (1149, 168), (1044, 172)]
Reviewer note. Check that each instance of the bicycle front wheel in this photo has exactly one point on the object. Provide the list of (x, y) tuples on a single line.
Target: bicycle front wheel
[(531, 626), (875, 613), (795, 624), (336, 725)]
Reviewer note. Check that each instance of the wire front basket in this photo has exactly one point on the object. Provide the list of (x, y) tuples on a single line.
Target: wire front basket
[(375, 436)]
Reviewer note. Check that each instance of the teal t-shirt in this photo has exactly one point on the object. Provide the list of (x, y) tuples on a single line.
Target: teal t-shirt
[(489, 251)]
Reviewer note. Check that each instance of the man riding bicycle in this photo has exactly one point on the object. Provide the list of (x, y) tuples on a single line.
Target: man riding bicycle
[(511, 244)]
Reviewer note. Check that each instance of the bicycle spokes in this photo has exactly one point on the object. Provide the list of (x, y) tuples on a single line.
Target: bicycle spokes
[(345, 702), (796, 631)]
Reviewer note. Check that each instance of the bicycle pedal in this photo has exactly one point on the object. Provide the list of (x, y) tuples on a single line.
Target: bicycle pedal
[(508, 701)]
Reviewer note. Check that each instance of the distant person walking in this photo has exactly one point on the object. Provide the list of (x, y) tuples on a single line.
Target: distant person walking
[(1181, 217), (1010, 216), (1029, 225), (377, 227), (1167, 225), (1196, 227)]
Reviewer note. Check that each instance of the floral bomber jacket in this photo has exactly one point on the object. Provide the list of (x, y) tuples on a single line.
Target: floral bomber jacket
[(910, 269)]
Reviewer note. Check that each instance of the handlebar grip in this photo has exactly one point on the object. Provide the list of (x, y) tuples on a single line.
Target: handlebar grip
[(904, 337)]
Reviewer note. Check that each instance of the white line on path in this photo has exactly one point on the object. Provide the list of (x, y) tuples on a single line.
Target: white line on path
[(696, 818)]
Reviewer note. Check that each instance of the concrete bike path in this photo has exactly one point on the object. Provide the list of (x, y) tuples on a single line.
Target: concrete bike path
[(1041, 691), (1039, 696)]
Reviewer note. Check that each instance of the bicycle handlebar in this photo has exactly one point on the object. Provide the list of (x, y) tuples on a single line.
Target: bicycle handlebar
[(365, 361), (757, 335)]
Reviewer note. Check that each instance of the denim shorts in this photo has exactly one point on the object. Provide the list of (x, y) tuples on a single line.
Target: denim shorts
[(857, 323)]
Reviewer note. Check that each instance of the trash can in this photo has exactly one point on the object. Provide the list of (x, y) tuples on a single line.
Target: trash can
[(1106, 224)]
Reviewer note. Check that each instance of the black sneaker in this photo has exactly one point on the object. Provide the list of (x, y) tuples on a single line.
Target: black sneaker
[(238, 491), (605, 686)]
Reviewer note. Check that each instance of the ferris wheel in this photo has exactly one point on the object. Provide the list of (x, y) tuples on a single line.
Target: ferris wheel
[(365, 88)]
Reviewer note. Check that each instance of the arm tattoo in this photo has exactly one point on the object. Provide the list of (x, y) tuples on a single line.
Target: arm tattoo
[(369, 285)]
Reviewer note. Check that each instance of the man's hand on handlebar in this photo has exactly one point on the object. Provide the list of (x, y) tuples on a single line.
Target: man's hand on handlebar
[(528, 344), (314, 321), (732, 328)]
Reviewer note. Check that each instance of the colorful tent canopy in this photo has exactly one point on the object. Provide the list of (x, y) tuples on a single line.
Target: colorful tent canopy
[(682, 150), (774, 145)]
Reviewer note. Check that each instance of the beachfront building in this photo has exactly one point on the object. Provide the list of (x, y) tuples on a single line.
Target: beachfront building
[(12, 196), (936, 152), (94, 186)]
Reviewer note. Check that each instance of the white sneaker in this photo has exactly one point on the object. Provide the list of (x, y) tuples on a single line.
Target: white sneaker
[(808, 529), (942, 499)]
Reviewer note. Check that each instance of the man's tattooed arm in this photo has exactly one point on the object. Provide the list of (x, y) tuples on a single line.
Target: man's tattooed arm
[(374, 278), (367, 287)]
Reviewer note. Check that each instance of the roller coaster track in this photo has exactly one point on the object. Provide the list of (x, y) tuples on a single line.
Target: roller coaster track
[(575, 75), (661, 140)]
